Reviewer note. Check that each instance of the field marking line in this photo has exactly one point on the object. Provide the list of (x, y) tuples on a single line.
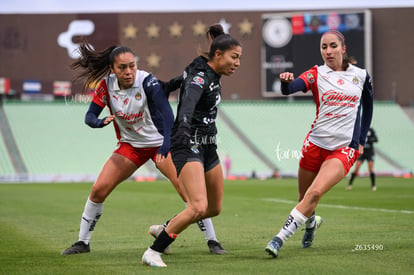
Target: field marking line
[(339, 206)]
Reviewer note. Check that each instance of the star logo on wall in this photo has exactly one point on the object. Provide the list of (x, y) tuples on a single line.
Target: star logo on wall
[(226, 26), (153, 31), (176, 30), (199, 28), (246, 27), (130, 31), (153, 60)]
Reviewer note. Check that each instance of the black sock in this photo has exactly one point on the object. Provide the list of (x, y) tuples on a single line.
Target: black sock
[(353, 175), (162, 242), (372, 176)]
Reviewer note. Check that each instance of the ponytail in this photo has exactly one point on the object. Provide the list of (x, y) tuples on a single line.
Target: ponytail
[(95, 65)]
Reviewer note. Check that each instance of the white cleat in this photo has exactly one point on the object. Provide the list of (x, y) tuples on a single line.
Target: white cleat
[(152, 258), (155, 231)]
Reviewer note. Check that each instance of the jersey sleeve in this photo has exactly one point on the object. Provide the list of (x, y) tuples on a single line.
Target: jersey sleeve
[(92, 116), (367, 108), (160, 109), (306, 81), (309, 78), (193, 89), (101, 94), (171, 85)]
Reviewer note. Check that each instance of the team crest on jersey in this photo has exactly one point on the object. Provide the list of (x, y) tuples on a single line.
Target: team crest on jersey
[(310, 78), (355, 80), (199, 81), (104, 100), (138, 96)]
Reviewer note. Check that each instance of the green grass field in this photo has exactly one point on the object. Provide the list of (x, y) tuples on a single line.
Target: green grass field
[(38, 221)]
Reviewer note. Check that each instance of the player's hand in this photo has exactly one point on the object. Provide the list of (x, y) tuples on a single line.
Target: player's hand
[(286, 77), (159, 158), (361, 149), (109, 119)]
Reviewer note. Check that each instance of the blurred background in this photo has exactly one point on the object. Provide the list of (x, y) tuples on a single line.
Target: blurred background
[(42, 133)]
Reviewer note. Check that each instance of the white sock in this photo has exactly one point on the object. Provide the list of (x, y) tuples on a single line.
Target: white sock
[(206, 226), (90, 216), (293, 223)]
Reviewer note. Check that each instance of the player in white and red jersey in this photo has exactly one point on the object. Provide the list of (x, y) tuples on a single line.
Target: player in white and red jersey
[(142, 118), (344, 104)]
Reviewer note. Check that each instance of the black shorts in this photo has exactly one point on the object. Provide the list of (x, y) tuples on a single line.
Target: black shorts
[(204, 153), (368, 156)]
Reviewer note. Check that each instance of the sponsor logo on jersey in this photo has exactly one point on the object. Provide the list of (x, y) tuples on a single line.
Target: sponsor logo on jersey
[(310, 78), (199, 81), (340, 82), (130, 117), (126, 101), (334, 98)]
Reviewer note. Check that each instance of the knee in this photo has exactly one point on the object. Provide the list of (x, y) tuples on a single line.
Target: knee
[(213, 211), (198, 211), (97, 195), (314, 196)]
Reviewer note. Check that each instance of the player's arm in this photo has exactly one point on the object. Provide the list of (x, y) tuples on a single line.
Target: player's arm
[(92, 116), (171, 85), (372, 137), (367, 101), (193, 89), (160, 110), (290, 85), (189, 97)]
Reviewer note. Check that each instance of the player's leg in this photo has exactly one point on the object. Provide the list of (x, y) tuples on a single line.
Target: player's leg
[(115, 170), (305, 179), (191, 179), (372, 175), (354, 174), (206, 226), (215, 187), (330, 173)]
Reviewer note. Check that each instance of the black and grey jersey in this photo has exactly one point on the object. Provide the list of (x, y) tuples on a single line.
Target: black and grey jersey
[(200, 93)]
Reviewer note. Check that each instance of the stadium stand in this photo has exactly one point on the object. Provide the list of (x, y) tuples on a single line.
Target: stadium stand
[(264, 137)]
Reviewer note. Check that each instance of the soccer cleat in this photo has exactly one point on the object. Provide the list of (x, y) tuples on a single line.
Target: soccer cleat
[(374, 188), (349, 187), (216, 248), (155, 231), (77, 248), (310, 232), (274, 246), (152, 258)]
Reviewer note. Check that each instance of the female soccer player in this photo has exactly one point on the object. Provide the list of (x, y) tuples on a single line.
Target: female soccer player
[(337, 135), (369, 156), (142, 120), (194, 139)]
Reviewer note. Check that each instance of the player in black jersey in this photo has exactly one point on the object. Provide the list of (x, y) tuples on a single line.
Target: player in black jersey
[(369, 156), (193, 139)]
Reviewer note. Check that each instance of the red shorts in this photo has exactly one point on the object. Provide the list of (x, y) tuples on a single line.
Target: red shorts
[(138, 155), (313, 157)]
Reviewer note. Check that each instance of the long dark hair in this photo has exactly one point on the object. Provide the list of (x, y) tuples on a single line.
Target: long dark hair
[(219, 40), (95, 64)]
